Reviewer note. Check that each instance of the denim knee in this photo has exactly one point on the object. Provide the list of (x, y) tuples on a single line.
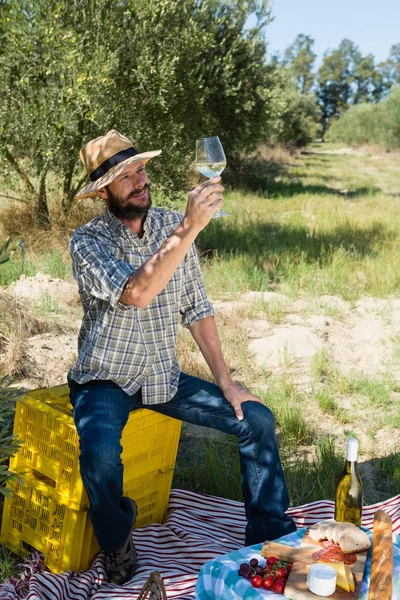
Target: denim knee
[(100, 469), (258, 416)]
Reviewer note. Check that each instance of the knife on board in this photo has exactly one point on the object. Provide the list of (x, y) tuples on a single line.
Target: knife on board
[(380, 587)]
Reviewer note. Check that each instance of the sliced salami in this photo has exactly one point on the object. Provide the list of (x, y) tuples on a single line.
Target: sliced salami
[(332, 553)]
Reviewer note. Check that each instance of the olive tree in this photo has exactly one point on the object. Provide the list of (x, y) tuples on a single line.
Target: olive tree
[(161, 71)]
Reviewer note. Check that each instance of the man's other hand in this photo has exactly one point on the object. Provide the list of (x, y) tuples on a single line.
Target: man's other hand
[(203, 201), (236, 394)]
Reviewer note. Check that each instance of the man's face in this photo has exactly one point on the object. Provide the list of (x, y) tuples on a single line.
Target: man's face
[(128, 196)]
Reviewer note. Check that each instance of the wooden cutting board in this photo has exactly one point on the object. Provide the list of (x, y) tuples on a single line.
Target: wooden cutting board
[(296, 585)]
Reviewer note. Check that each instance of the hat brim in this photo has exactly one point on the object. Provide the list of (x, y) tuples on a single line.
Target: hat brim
[(89, 191)]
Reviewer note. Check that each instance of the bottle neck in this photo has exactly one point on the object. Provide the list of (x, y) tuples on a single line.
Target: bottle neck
[(351, 466)]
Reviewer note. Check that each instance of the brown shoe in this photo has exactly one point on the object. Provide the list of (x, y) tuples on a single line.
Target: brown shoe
[(121, 564)]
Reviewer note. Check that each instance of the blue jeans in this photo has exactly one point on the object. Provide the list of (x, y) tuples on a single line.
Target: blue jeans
[(101, 410)]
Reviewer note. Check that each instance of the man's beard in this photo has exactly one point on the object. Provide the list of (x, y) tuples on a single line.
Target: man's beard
[(128, 211)]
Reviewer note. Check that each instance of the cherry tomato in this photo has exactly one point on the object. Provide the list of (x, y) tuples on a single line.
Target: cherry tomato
[(278, 586), (268, 583), (281, 572), (289, 568), (272, 560), (257, 581)]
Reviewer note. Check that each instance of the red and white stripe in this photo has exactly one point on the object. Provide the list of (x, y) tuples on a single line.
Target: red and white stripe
[(197, 528)]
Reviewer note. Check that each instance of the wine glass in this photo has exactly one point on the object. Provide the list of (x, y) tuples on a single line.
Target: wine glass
[(211, 161)]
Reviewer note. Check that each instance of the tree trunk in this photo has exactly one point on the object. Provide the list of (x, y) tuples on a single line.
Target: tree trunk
[(67, 199), (41, 210), (69, 193), (27, 183)]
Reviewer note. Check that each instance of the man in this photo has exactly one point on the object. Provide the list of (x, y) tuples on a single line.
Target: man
[(138, 273)]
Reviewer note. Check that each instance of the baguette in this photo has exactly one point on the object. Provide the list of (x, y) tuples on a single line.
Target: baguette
[(349, 537)]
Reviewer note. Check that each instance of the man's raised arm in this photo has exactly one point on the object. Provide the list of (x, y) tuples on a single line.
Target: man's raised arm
[(152, 277)]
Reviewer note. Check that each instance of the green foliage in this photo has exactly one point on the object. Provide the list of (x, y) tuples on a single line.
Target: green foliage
[(163, 72), (299, 122), (346, 77), (7, 249), (375, 124), (391, 67), (299, 58)]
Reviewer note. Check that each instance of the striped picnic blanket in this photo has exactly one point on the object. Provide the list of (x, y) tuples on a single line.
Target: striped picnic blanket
[(198, 528)]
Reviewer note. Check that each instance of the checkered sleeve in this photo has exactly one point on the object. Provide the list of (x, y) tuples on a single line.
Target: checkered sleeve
[(98, 270), (194, 302)]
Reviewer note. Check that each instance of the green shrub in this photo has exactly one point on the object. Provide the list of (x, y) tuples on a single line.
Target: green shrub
[(299, 124), (374, 124)]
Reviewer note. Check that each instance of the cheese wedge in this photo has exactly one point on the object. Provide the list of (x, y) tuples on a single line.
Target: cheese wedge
[(350, 577), (344, 574)]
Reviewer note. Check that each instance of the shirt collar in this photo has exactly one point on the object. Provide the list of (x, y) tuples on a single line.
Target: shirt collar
[(119, 228)]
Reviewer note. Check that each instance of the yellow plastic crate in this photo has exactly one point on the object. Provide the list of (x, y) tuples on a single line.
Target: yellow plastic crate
[(31, 517), (50, 449)]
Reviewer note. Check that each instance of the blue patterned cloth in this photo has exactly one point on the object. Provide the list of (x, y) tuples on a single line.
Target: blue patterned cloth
[(219, 579)]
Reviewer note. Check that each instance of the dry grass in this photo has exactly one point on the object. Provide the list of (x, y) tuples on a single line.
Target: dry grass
[(234, 342), (17, 324)]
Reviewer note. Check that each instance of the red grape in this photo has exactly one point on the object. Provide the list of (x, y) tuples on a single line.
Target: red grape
[(253, 562)]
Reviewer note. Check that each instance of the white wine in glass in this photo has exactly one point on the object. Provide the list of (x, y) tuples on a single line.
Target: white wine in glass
[(211, 161)]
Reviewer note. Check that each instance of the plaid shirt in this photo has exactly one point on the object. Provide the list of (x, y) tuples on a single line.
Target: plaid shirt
[(133, 347)]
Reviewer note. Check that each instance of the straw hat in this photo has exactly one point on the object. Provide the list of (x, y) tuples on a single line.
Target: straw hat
[(106, 157)]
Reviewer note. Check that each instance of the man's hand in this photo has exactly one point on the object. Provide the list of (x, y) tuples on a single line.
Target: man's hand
[(203, 201), (236, 394)]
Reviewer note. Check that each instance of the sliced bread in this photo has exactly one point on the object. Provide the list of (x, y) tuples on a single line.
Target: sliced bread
[(352, 539)]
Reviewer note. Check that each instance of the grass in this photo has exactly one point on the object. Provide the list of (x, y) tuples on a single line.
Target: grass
[(211, 467), (377, 391), (8, 563), (275, 310), (313, 477), (303, 234), (328, 224), (389, 467), (52, 263), (47, 305), (325, 401), (13, 269), (55, 264), (286, 403)]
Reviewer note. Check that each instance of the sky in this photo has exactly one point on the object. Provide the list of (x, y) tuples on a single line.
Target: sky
[(374, 25)]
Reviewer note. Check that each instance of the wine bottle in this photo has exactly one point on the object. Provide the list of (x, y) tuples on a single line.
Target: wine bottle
[(349, 490)]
